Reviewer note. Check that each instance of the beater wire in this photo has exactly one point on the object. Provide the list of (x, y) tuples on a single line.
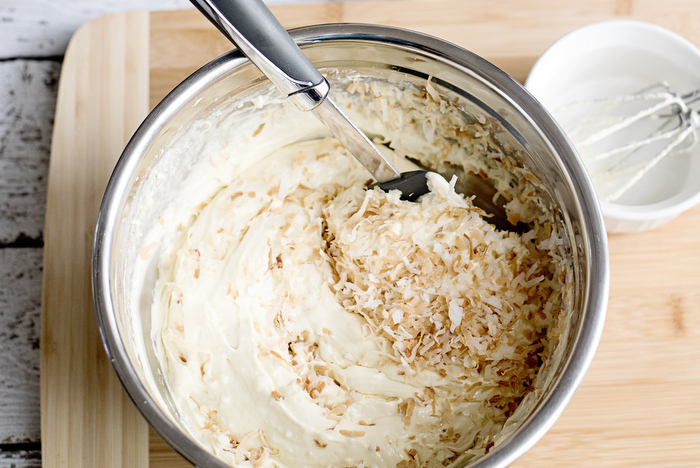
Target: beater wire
[(612, 169)]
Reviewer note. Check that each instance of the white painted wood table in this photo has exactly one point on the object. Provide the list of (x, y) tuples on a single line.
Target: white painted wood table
[(33, 38)]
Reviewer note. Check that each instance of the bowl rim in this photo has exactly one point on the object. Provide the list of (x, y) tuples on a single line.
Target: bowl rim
[(595, 244), (668, 208)]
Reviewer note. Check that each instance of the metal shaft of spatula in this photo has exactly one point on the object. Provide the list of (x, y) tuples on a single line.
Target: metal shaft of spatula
[(252, 27)]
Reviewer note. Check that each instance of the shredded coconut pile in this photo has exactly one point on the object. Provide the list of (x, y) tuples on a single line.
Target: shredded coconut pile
[(445, 290), (443, 286), (421, 124)]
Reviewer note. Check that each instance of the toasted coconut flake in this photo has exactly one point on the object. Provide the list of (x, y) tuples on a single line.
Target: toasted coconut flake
[(410, 406), (146, 251), (259, 129)]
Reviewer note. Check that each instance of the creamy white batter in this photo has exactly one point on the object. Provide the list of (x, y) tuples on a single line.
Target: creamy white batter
[(302, 320)]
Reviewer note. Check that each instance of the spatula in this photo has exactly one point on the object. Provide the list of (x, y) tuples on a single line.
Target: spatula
[(252, 27)]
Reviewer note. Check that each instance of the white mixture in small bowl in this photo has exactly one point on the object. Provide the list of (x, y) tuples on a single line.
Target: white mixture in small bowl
[(302, 320)]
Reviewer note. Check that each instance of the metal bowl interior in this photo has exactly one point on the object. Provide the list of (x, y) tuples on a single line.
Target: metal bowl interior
[(132, 203)]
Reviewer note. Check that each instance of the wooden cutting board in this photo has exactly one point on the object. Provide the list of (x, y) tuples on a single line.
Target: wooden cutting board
[(639, 403)]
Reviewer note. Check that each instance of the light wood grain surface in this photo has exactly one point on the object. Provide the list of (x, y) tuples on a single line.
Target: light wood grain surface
[(87, 419), (638, 403)]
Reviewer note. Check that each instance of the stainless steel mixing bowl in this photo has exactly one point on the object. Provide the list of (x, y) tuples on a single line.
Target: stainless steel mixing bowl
[(132, 203)]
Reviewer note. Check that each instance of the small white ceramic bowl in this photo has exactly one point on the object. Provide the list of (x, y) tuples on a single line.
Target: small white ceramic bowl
[(614, 58)]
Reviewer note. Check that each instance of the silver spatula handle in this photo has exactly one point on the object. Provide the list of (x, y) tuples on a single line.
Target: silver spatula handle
[(254, 29), (256, 32)]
